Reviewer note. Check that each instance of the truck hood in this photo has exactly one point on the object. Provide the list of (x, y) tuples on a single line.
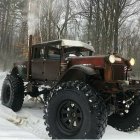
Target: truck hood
[(96, 61)]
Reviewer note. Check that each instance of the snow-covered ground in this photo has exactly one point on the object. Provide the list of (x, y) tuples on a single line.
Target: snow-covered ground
[(28, 123)]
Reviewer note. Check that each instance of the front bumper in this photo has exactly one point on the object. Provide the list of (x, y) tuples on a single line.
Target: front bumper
[(133, 85), (121, 86)]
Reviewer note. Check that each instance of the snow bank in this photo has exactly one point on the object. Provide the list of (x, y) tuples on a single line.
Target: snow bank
[(8, 129), (112, 134), (26, 120)]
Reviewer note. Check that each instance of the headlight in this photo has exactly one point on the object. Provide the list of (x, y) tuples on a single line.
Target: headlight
[(132, 61), (112, 59)]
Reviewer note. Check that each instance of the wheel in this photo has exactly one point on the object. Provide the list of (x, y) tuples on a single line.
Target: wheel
[(12, 94), (127, 122), (75, 111)]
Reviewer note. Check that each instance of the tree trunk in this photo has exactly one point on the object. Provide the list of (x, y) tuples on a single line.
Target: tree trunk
[(66, 18), (89, 21)]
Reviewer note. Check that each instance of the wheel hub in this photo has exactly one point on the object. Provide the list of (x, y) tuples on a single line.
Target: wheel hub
[(70, 116)]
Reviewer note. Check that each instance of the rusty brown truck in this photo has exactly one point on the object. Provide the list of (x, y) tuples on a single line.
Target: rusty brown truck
[(83, 92)]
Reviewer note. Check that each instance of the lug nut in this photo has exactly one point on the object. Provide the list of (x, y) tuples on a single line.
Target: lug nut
[(121, 114), (126, 111), (124, 102), (127, 106)]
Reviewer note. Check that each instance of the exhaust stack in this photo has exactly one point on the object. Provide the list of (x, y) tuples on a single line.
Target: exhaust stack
[(29, 58)]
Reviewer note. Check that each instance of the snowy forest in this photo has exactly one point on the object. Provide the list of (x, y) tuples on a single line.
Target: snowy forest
[(84, 97), (110, 25)]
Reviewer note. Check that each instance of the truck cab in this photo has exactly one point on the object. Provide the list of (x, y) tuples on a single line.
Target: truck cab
[(49, 60)]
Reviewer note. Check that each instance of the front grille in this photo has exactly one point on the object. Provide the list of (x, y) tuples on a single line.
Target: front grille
[(118, 72)]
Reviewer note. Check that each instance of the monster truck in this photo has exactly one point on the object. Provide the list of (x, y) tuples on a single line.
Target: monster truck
[(83, 92)]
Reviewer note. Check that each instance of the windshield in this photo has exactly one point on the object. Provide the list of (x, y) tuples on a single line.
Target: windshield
[(76, 51)]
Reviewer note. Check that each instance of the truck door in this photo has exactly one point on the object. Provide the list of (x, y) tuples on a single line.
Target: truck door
[(52, 63), (37, 63)]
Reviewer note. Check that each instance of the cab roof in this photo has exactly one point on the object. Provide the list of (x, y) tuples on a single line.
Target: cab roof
[(67, 44)]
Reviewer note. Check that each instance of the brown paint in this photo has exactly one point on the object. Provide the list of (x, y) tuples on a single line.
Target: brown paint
[(51, 69), (37, 67), (108, 72)]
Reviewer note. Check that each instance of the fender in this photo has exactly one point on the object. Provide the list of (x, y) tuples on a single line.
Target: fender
[(78, 72), (21, 70)]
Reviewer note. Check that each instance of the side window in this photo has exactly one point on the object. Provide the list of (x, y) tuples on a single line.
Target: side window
[(39, 53), (53, 53)]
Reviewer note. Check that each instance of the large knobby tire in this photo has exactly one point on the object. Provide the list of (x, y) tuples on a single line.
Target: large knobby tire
[(12, 94), (127, 122), (74, 111)]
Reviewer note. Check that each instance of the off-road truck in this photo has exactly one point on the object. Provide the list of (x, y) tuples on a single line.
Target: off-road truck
[(83, 92)]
